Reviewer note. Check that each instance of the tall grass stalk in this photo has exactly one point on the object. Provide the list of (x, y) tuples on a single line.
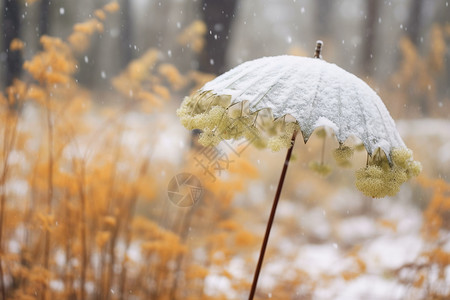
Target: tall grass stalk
[(9, 137)]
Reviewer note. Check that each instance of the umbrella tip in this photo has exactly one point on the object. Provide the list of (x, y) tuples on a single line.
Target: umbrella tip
[(318, 51)]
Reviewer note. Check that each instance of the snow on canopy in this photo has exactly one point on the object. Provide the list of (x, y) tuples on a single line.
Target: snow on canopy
[(316, 93)]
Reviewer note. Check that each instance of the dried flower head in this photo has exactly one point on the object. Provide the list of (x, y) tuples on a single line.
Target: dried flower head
[(380, 178), (218, 120), (193, 36), (343, 155), (320, 168), (173, 76), (111, 7), (321, 133), (16, 45)]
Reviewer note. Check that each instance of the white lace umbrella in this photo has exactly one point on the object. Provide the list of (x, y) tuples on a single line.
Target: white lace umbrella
[(316, 93), (268, 100)]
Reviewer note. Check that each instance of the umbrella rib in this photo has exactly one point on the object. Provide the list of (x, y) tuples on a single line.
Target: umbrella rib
[(340, 112), (384, 125), (265, 94), (201, 98), (291, 71), (228, 84), (243, 75), (274, 83), (366, 131), (311, 109)]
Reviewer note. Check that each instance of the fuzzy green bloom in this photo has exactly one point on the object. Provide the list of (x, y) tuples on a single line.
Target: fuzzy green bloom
[(320, 168), (403, 158), (279, 142), (379, 179), (414, 169), (219, 121), (342, 155), (321, 133), (209, 138), (360, 147), (370, 181)]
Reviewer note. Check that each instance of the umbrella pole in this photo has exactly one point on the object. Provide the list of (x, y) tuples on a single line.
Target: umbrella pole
[(271, 217)]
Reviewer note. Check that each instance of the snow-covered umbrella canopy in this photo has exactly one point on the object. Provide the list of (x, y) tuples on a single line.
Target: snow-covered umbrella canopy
[(267, 99)]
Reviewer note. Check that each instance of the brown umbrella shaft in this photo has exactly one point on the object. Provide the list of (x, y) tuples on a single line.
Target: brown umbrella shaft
[(271, 217)]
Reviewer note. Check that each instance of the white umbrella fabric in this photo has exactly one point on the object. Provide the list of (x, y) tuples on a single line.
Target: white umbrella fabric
[(315, 93)]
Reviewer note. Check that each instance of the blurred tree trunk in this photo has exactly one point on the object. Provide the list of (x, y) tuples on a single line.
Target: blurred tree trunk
[(415, 21), (11, 30), (45, 17), (121, 48), (218, 16), (369, 36), (126, 34), (323, 15)]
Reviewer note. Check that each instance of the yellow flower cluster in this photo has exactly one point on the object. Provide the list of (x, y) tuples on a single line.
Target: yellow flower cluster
[(111, 7), (140, 81), (100, 14), (193, 36), (173, 76), (379, 178), (79, 39), (54, 65), (320, 168), (219, 121), (342, 155), (321, 133), (15, 94), (16, 45)]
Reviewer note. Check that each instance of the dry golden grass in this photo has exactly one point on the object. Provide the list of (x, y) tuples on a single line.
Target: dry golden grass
[(93, 220)]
